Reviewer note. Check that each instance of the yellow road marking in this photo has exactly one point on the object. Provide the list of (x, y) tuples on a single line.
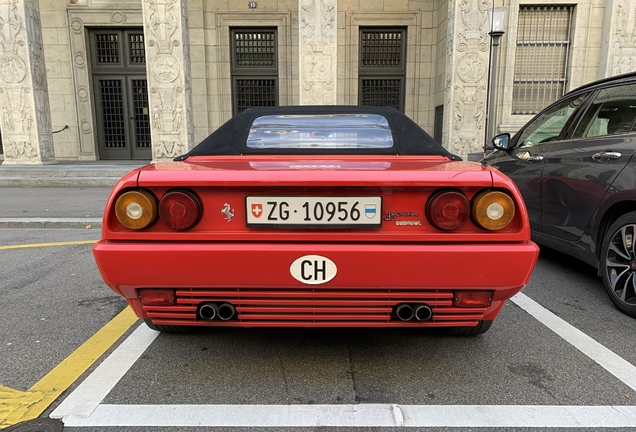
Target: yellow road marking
[(17, 406), (35, 245)]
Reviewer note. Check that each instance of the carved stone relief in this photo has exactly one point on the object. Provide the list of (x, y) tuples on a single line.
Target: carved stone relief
[(623, 38), (318, 51), (26, 117), (169, 83), (467, 75)]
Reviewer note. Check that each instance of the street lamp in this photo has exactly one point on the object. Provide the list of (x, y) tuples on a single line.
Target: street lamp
[(497, 17)]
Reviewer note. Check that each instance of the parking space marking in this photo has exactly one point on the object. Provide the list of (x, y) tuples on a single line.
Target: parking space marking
[(84, 408), (611, 362), (20, 406), (363, 415), (94, 389), (36, 245)]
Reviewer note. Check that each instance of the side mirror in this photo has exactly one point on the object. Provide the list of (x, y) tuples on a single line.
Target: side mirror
[(502, 142)]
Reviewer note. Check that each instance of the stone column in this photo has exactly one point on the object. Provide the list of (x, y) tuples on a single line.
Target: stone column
[(26, 116), (318, 51), (618, 50), (466, 75), (168, 70)]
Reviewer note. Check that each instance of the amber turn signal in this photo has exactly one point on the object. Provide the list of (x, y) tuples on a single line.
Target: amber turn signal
[(136, 209), (493, 210)]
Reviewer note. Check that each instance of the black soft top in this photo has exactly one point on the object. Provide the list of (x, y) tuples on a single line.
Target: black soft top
[(231, 137)]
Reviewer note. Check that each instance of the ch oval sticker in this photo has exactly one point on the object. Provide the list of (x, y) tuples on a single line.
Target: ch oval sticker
[(313, 269)]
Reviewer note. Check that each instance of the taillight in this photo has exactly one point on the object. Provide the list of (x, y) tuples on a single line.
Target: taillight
[(472, 298), (157, 297), (136, 209), (493, 210), (180, 210), (448, 210)]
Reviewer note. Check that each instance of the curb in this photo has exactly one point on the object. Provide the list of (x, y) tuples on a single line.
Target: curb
[(76, 223), (58, 182)]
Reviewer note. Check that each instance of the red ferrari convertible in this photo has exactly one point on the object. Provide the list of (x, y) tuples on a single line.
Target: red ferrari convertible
[(335, 216)]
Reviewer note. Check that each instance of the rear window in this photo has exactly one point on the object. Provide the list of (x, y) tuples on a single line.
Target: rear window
[(367, 131)]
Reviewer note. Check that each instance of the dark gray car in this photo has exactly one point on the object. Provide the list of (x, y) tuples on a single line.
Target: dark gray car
[(574, 165)]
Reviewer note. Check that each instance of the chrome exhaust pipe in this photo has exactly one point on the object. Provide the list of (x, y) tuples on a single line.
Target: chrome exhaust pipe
[(404, 312), (423, 312), (208, 311), (226, 311)]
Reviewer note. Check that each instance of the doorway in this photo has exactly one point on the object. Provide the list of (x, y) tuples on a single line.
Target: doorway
[(121, 93)]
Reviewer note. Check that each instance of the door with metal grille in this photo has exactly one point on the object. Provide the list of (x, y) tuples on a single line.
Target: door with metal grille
[(254, 68), (121, 94), (382, 70)]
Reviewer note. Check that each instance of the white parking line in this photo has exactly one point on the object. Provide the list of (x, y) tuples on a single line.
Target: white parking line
[(94, 389), (611, 362), (363, 415), (83, 408)]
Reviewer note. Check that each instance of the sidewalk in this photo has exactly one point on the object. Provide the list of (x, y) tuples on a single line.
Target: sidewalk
[(65, 195)]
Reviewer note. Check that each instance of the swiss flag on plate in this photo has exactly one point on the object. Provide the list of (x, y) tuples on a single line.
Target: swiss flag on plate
[(257, 210)]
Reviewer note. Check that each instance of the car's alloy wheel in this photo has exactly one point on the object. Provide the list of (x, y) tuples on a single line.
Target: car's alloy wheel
[(618, 263)]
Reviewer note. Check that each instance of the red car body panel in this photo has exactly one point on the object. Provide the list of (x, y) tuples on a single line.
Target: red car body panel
[(225, 261)]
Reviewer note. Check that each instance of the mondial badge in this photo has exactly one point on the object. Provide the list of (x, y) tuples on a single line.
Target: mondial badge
[(313, 269)]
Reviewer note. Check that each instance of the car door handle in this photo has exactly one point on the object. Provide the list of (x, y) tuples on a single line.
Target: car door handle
[(605, 156), (535, 158)]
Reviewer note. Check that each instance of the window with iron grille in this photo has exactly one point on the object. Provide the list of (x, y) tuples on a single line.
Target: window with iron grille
[(254, 68), (382, 70), (136, 48), (118, 48), (541, 63), (107, 47), (112, 105)]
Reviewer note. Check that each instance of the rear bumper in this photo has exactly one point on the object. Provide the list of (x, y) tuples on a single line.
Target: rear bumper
[(370, 281)]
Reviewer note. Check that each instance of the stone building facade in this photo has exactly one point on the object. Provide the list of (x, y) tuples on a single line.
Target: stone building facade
[(148, 79)]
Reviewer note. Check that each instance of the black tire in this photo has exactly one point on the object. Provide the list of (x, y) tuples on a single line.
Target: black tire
[(480, 328), (171, 328), (618, 263)]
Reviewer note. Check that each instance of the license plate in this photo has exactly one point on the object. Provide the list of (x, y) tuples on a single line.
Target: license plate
[(314, 211)]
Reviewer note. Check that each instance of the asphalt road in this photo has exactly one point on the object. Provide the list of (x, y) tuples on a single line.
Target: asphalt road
[(53, 299), (53, 202)]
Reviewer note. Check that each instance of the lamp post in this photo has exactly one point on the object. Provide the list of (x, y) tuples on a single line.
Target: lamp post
[(498, 18)]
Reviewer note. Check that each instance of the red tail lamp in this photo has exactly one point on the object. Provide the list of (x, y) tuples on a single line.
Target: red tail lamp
[(180, 210), (157, 297), (448, 210), (472, 298)]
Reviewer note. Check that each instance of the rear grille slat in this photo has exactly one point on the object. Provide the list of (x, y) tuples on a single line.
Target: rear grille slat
[(247, 309), (315, 307), (317, 294), (286, 323), (316, 317), (305, 302), (457, 317)]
